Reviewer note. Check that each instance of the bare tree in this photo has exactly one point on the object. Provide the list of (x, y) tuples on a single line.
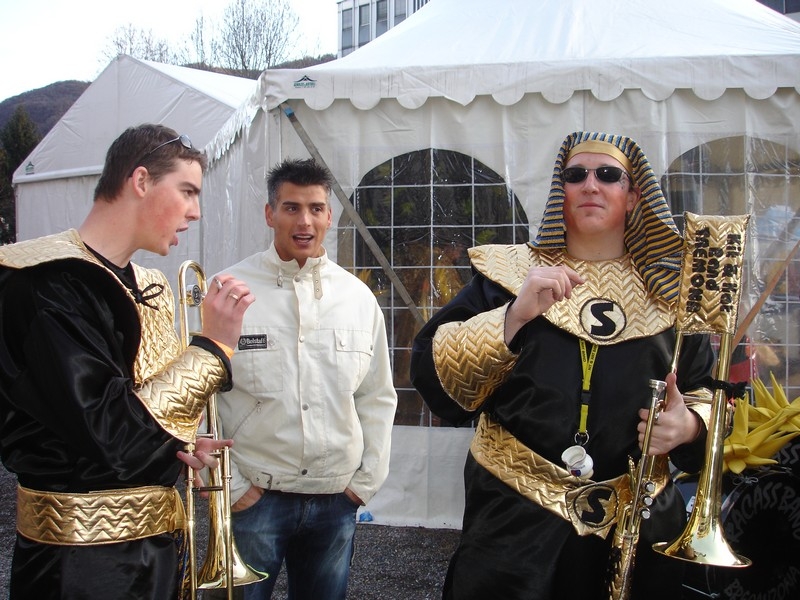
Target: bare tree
[(254, 34), (198, 41), (139, 43)]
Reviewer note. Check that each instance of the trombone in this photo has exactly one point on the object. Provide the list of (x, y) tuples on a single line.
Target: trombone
[(709, 302), (223, 567)]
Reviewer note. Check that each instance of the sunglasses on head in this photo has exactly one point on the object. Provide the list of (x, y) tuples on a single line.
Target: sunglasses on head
[(604, 174), (183, 139)]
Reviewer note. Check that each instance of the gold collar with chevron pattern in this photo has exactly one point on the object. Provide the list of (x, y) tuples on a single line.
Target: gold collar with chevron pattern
[(611, 306)]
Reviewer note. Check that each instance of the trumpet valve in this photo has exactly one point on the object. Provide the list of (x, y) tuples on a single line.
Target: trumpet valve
[(195, 295)]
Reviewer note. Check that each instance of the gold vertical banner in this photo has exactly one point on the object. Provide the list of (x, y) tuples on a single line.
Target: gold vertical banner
[(711, 273)]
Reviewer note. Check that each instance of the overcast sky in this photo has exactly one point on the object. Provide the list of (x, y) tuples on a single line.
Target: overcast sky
[(44, 41)]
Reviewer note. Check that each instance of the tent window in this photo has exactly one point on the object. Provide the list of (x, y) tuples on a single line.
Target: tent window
[(425, 209), (745, 175)]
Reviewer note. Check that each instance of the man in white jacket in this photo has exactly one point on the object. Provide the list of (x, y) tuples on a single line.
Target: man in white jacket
[(313, 401)]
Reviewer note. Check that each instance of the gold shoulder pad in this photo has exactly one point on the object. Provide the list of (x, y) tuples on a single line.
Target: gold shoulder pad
[(505, 265)]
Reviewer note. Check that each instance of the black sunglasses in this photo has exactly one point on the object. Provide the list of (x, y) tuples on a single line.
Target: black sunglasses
[(604, 174)]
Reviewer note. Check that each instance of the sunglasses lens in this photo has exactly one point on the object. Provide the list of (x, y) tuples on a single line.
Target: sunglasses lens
[(604, 174), (609, 174), (574, 174), (185, 141)]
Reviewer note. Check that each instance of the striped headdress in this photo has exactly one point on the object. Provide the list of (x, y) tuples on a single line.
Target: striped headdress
[(651, 236)]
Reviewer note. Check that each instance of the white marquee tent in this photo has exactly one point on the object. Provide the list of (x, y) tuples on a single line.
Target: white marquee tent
[(55, 184), (709, 89)]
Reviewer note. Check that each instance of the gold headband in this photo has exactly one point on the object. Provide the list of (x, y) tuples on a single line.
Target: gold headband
[(599, 147)]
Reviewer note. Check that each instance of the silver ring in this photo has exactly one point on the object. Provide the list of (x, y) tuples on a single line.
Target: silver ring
[(218, 282), (234, 296)]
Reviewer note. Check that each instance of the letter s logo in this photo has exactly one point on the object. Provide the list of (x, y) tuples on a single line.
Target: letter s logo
[(602, 318)]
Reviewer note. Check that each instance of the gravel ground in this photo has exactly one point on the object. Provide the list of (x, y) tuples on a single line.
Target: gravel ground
[(390, 563)]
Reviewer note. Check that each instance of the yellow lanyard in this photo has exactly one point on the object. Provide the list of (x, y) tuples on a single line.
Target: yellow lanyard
[(587, 360)]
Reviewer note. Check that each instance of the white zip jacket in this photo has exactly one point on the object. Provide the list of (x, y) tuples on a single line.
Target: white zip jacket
[(313, 401)]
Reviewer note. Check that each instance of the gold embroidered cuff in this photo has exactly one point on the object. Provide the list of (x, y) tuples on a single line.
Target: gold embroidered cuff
[(177, 396), (471, 357), (98, 517), (699, 401)]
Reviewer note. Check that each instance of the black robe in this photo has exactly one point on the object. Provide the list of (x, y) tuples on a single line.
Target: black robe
[(71, 422), (511, 548)]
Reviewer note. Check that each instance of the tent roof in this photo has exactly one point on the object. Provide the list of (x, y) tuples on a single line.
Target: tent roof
[(460, 49), (130, 92)]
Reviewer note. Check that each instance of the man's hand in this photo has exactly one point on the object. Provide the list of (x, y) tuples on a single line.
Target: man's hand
[(202, 457), (543, 287), (223, 309), (251, 496), (675, 424), (353, 497)]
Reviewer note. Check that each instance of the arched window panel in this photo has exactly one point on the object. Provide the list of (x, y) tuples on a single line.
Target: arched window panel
[(739, 175), (425, 209)]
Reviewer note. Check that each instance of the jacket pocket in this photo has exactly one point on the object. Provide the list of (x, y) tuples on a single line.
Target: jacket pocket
[(353, 356), (258, 367)]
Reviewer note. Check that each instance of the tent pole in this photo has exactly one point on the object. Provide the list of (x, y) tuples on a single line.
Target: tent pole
[(354, 216)]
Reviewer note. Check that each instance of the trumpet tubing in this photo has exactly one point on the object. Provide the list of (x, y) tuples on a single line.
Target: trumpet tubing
[(223, 568), (643, 489)]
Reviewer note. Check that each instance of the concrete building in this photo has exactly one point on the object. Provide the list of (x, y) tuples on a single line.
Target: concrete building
[(361, 21)]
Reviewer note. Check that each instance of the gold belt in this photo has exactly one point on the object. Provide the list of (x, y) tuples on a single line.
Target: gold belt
[(102, 517), (592, 507)]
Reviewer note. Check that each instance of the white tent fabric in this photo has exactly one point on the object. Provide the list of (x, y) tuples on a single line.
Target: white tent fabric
[(55, 184), (504, 83), (556, 47)]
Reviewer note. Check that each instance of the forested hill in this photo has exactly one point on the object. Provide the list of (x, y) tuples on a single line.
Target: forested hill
[(46, 105)]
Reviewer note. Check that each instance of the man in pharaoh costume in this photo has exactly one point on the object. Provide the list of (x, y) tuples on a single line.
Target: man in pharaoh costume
[(98, 396), (551, 349)]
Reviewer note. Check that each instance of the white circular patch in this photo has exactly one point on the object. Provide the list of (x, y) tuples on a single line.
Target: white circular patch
[(602, 319)]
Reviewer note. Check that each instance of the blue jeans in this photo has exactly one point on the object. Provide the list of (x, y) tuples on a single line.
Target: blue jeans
[(313, 533)]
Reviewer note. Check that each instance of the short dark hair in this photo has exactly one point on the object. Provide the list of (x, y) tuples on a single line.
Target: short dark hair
[(146, 145), (297, 171)]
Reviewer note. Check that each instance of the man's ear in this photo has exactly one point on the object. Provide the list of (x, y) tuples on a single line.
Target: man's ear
[(634, 195), (138, 180)]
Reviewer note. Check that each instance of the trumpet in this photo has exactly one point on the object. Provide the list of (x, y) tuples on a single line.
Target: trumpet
[(223, 567), (643, 489)]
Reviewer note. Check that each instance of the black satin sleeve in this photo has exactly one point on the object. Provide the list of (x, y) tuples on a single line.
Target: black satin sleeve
[(70, 418)]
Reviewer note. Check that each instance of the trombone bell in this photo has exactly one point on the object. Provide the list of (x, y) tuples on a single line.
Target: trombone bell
[(702, 541)]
